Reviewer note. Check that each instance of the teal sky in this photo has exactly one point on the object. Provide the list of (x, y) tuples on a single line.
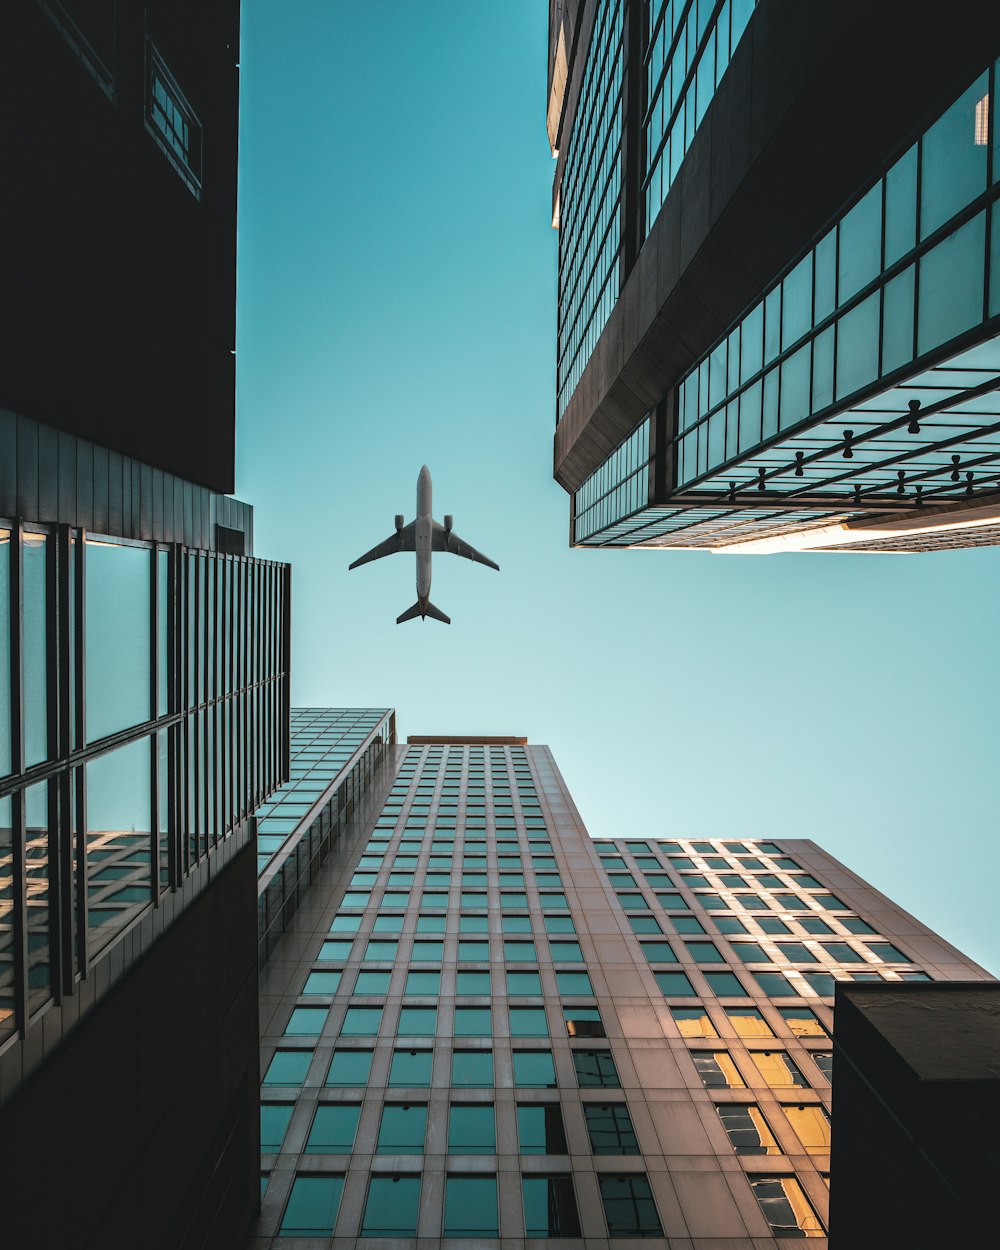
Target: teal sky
[(396, 307)]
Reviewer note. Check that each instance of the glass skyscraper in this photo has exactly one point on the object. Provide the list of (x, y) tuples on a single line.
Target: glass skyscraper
[(483, 1025), (772, 335)]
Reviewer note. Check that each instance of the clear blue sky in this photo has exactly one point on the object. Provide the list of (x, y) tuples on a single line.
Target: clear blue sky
[(397, 307)]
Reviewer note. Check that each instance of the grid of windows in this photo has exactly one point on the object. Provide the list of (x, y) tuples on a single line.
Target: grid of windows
[(466, 1030), (617, 489), (688, 48), (590, 194)]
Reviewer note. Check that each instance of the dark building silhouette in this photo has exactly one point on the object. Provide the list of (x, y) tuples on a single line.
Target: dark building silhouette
[(779, 286), (916, 1100), (144, 651)]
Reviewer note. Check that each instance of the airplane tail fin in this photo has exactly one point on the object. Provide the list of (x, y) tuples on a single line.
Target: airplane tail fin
[(428, 610)]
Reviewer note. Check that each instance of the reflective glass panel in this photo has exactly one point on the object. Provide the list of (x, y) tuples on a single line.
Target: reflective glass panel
[(392, 1207), (333, 1128), (34, 608), (117, 675), (550, 1207), (119, 884), (472, 1128), (470, 1207), (540, 1129), (312, 1206)]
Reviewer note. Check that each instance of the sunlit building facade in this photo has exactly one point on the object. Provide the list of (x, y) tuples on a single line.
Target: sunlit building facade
[(779, 300), (482, 1025)]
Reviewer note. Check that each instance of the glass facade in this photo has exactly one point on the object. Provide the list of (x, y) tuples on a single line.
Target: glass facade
[(520, 1013), (590, 230), (863, 384), (143, 696)]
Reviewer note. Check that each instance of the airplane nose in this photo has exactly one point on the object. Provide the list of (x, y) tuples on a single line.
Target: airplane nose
[(424, 471)]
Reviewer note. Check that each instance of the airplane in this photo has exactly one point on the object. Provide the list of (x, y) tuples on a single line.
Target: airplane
[(424, 536)]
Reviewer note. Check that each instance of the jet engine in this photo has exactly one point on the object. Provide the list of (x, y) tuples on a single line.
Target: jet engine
[(449, 521), (399, 521)]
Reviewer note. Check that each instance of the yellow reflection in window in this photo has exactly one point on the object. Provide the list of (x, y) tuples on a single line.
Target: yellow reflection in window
[(693, 1023), (803, 1023), (749, 1023), (812, 1127), (763, 1132), (773, 1068), (729, 1069), (805, 1216)]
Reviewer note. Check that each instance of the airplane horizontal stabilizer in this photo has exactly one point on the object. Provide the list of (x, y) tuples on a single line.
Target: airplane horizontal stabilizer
[(428, 610)]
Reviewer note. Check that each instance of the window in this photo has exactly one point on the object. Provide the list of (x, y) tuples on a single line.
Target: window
[(473, 924), (274, 1117), (778, 1069), (519, 952), (334, 952), (391, 1207), (523, 983), (473, 1022), (402, 1128), (583, 1021), (470, 1207), (349, 1068), (802, 1022), (854, 924), (422, 983), (610, 1129), (595, 1069), (333, 1128), (717, 1070), (288, 1067), (889, 953), (361, 1021), (372, 983), (467, 983), (573, 983), (411, 1068), (693, 1022), (629, 1207), (540, 1129), (566, 952), (550, 1207), (321, 983), (726, 985), (775, 985), (312, 1205), (528, 1022), (644, 924), (674, 984), (687, 924), (534, 1069), (431, 924), (658, 952), (473, 952), (417, 1022), (823, 1059), (785, 1207), (748, 1022), (797, 953), (515, 924), (472, 1069), (306, 1020), (472, 1128), (747, 1129), (704, 953), (378, 949), (812, 1127)]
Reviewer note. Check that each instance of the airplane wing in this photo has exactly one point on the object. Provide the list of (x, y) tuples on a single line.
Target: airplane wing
[(402, 540), (448, 540)]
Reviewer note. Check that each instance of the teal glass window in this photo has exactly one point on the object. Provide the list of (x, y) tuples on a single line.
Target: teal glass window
[(610, 1128), (333, 1128), (431, 924), (467, 983), (672, 902), (553, 902), (388, 924), (566, 952), (523, 983), (726, 984), (771, 924), (889, 953), (417, 1022), (474, 899), (853, 924), (550, 1207), (559, 924), (659, 952), (473, 924), (391, 1207), (519, 952), (473, 952), (427, 952), (306, 1020), (473, 1022), (361, 1022), (822, 983), (515, 924), (643, 924), (830, 902), (345, 924), (311, 1210), (842, 952), (472, 1128), (470, 1207), (402, 1128), (322, 983), (411, 1069), (511, 900), (372, 983), (687, 924), (274, 1117), (797, 953), (528, 1022), (472, 1069), (117, 634), (335, 952), (629, 1207), (953, 158), (574, 983), (775, 985), (540, 1129), (534, 1069), (381, 950), (730, 924), (288, 1068), (349, 1068), (423, 983), (674, 984)]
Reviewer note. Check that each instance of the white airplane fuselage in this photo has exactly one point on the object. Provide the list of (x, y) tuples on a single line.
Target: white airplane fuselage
[(423, 532)]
